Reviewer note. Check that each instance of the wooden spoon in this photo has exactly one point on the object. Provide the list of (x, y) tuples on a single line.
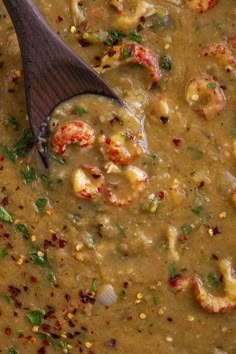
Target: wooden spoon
[(53, 73)]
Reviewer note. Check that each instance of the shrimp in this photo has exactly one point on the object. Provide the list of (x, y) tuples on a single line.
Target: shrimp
[(213, 304), (88, 187), (132, 53), (143, 9), (201, 6), (78, 12), (181, 283), (118, 5), (73, 132), (138, 180), (202, 89), (229, 281), (223, 51), (121, 148)]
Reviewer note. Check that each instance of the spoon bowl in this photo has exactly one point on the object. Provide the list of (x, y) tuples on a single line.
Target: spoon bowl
[(53, 73)]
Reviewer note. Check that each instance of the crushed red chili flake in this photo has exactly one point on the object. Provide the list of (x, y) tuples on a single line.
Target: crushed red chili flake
[(164, 120), (2, 158), (177, 142), (41, 350), (14, 291), (47, 244), (125, 285), (216, 230), (111, 343), (87, 298), (129, 318), (5, 201), (67, 297), (54, 237), (71, 323), (201, 184), (33, 279), (214, 257), (8, 331), (161, 194), (182, 238), (59, 19), (62, 243)]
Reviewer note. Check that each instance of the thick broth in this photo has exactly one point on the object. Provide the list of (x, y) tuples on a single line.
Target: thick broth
[(175, 226)]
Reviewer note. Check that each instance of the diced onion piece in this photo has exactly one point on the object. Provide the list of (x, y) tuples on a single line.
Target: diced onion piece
[(107, 295)]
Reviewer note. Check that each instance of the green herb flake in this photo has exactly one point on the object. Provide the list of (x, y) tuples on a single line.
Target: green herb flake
[(13, 351), (24, 143), (133, 36), (8, 154), (52, 278), (41, 205), (172, 271), (3, 253), (39, 258), (46, 181), (63, 345), (5, 216), (28, 175), (80, 111), (58, 159), (155, 300), (23, 229), (122, 230), (36, 317), (198, 210), (213, 280), (122, 295), (166, 62), (126, 53), (13, 122), (211, 85), (94, 285), (186, 229)]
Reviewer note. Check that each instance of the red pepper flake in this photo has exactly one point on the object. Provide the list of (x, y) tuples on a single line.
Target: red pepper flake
[(71, 323), (182, 238), (2, 158), (161, 194), (33, 279), (216, 230), (41, 350), (67, 297), (129, 318), (4, 201), (54, 237), (62, 243), (125, 285), (111, 343), (59, 19), (214, 257), (201, 184), (17, 188), (177, 142), (46, 342), (1, 226), (47, 244), (164, 120), (8, 331)]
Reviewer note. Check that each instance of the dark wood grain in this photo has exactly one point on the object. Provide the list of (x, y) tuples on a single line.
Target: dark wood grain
[(52, 71)]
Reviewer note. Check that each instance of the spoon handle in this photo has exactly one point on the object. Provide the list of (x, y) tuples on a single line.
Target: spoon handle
[(52, 71)]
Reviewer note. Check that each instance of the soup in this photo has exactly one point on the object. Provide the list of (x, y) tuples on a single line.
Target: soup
[(126, 243)]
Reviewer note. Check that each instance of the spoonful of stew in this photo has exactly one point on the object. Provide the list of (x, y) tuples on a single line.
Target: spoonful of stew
[(53, 73)]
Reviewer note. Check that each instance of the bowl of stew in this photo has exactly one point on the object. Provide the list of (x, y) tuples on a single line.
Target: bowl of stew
[(126, 243)]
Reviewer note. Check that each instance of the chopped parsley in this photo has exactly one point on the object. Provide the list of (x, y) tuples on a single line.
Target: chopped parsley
[(166, 62), (28, 175), (5, 216), (41, 205)]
